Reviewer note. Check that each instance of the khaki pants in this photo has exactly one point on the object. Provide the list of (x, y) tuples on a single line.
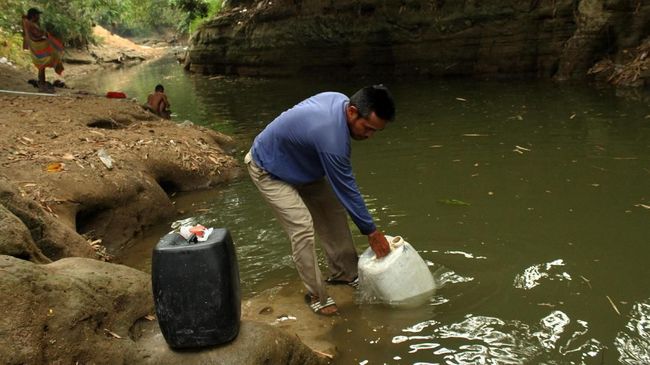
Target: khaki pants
[(302, 211)]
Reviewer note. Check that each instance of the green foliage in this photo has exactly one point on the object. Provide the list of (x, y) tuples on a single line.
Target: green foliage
[(10, 15), (72, 20), (196, 8), (145, 17), (11, 39), (214, 6), (195, 12), (11, 47)]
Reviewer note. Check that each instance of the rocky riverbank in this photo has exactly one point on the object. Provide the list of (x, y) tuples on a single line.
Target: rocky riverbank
[(559, 39), (81, 176), (51, 155)]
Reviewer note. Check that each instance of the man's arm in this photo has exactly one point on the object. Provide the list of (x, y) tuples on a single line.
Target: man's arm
[(339, 173)]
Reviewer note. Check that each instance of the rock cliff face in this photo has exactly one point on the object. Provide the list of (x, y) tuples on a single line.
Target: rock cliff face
[(545, 38)]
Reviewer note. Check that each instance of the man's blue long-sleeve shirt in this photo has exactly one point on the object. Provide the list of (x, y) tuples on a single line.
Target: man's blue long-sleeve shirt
[(311, 141)]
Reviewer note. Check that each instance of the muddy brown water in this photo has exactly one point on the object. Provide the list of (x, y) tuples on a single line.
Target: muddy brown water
[(534, 197)]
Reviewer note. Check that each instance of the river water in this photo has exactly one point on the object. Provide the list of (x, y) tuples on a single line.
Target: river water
[(532, 198)]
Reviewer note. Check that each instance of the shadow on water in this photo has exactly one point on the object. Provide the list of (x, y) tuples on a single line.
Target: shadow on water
[(550, 245)]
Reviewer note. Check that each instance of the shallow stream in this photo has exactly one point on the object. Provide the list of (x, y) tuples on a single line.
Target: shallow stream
[(534, 196)]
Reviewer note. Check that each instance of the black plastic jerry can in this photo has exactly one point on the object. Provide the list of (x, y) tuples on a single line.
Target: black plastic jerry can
[(196, 290)]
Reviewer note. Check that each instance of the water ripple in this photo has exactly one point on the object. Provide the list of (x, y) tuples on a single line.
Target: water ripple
[(450, 277), (418, 327), (532, 275), (467, 255), (490, 340), (633, 343)]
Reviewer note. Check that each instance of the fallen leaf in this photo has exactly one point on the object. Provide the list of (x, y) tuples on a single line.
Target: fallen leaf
[(112, 333), (54, 167), (613, 305), (453, 202)]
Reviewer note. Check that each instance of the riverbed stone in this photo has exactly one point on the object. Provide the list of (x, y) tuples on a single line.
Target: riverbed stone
[(79, 310)]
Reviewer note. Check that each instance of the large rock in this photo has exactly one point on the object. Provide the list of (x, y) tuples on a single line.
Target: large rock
[(416, 37), (46, 237), (85, 311), (16, 240), (62, 312)]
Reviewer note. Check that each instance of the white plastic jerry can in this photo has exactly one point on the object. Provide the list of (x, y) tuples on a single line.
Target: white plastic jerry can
[(397, 278)]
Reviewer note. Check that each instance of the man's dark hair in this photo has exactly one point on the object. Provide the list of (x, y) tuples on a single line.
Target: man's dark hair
[(375, 98), (31, 13), (160, 88)]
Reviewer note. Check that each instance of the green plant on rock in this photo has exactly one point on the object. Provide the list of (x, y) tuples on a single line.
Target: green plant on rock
[(196, 12)]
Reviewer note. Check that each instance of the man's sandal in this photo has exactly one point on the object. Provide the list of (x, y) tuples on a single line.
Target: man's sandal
[(354, 283), (316, 306)]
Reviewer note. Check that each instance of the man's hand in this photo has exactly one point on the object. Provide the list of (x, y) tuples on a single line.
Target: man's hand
[(379, 244)]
